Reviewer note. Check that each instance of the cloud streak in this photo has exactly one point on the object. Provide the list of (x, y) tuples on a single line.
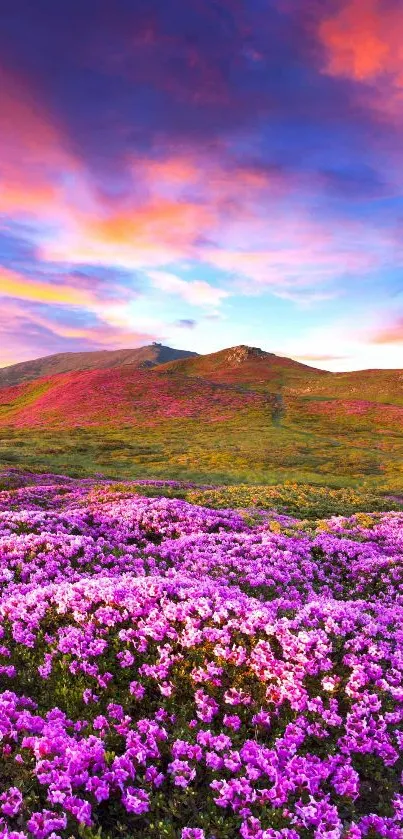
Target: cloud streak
[(389, 333), (195, 292), (19, 287)]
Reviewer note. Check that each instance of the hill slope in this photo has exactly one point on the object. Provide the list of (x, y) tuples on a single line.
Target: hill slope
[(50, 365), (372, 385), (242, 365), (115, 397)]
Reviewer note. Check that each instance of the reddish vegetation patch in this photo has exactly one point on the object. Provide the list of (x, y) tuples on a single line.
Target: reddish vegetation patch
[(358, 406), (353, 406), (125, 395), (375, 412)]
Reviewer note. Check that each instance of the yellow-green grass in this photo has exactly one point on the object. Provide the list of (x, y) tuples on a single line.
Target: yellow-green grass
[(301, 500), (249, 448), (385, 386)]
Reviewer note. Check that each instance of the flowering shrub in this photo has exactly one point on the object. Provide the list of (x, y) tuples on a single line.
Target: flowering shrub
[(167, 670)]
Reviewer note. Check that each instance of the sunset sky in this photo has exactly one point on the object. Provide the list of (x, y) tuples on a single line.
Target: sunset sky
[(202, 173)]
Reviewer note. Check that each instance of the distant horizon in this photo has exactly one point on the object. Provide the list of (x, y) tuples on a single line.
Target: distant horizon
[(188, 172), (318, 364)]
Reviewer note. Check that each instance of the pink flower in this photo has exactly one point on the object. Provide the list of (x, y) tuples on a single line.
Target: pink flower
[(232, 721)]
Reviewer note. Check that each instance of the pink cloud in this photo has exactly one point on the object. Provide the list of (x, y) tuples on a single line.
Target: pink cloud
[(174, 203), (319, 357), (388, 333), (362, 41), (300, 252), (255, 231), (22, 327), (33, 155)]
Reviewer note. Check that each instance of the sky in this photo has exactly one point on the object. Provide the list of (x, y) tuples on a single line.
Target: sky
[(202, 173)]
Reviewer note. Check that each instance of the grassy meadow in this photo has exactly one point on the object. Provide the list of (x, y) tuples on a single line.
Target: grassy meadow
[(253, 447)]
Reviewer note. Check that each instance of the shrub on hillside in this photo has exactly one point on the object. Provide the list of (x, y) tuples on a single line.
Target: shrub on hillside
[(302, 500)]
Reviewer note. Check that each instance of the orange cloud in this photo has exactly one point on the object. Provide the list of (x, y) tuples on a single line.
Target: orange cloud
[(183, 201), (283, 248), (155, 233), (182, 194), (391, 333), (16, 197), (208, 179), (364, 40), (173, 171), (183, 197), (176, 223)]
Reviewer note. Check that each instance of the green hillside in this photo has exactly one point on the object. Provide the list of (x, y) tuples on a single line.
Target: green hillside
[(372, 385)]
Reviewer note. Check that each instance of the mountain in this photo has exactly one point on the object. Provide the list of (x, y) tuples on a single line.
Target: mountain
[(243, 365), (49, 365), (255, 369)]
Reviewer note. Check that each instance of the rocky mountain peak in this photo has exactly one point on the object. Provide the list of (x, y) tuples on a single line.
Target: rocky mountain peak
[(236, 355)]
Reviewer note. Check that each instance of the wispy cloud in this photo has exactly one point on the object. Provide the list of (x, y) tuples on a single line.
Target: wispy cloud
[(320, 357), (186, 323), (23, 332), (48, 291), (194, 292)]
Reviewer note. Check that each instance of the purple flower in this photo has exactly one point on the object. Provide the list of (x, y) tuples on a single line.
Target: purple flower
[(11, 801), (136, 800)]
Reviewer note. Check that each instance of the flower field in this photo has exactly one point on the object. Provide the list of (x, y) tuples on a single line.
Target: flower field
[(170, 669)]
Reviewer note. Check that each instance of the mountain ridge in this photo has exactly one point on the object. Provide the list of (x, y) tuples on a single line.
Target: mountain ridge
[(48, 365), (242, 366)]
